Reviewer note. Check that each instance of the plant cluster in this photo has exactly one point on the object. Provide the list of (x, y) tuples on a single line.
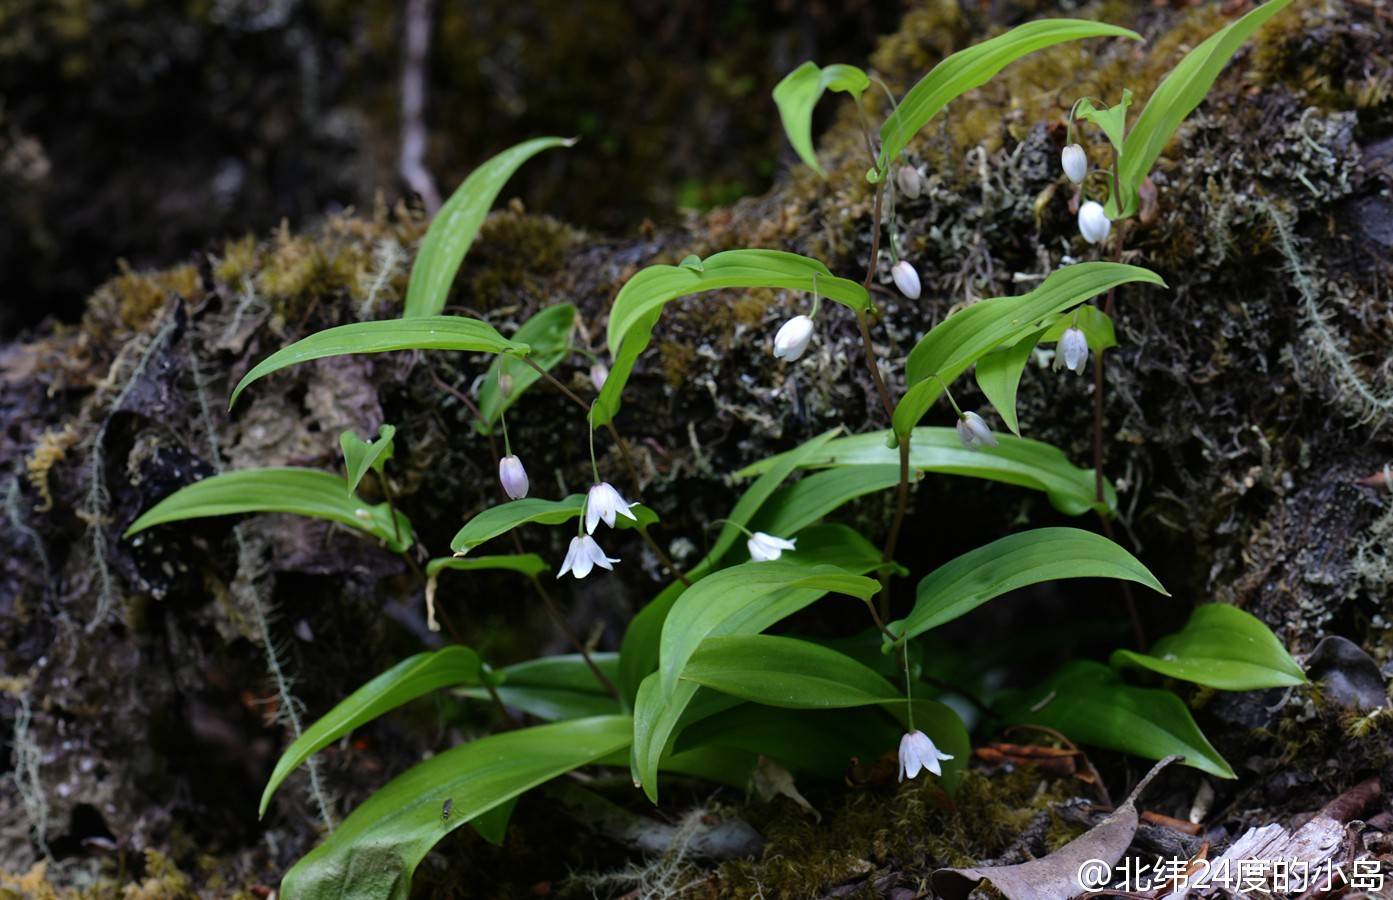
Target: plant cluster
[(698, 687)]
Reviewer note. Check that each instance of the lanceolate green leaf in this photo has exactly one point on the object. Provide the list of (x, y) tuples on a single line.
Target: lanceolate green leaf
[(1177, 97), (1089, 703), (964, 337), (524, 563), (974, 67), (798, 505), (302, 492), (504, 517), (454, 228), (1019, 461), (1220, 647), (798, 93), (640, 302), (548, 334), (1030, 557), (425, 333), (1111, 119), (359, 456), (786, 672), (411, 678), (554, 687), (999, 376), (377, 848)]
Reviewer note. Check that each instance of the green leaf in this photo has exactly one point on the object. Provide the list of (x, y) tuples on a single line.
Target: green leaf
[(1111, 119), (1176, 97), (1223, 647), (1090, 704), (1018, 461), (743, 599), (974, 67), (999, 376), (554, 687), (359, 456), (454, 228), (493, 825), (640, 302), (966, 336), (524, 563), (425, 333), (411, 678), (785, 672), (638, 652), (548, 333), (504, 517), (798, 505), (798, 93), (377, 848), (1030, 557), (301, 492)]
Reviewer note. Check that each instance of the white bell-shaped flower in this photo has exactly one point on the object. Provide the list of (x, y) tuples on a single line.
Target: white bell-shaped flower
[(765, 547), (604, 503), (917, 753), (974, 433), (599, 374), (583, 556), (1072, 350), (906, 279), (792, 339), (513, 477), (909, 181), (1094, 224), (1074, 162)]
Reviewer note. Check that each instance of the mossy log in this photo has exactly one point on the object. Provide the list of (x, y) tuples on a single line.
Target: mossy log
[(1247, 409)]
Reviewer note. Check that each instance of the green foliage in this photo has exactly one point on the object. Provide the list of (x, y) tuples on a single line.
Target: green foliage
[(640, 302), (999, 372), (972, 68), (966, 336), (1176, 97), (1030, 557), (1111, 119), (424, 333), (798, 93), (1222, 647), (457, 224), (504, 517), (1019, 461), (413, 677), (1089, 703), (524, 563), (360, 456), (302, 492), (554, 688), (548, 334), (786, 672), (376, 849)]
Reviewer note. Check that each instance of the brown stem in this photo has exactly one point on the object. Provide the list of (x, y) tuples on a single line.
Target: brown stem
[(556, 383), (875, 239), (880, 387), (575, 642), (662, 557)]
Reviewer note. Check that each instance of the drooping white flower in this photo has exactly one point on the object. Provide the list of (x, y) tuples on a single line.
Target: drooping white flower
[(765, 547), (604, 503), (1075, 163), (1072, 350), (974, 433), (513, 477), (906, 279), (599, 374), (917, 752), (792, 338), (1094, 224), (584, 555), (911, 184)]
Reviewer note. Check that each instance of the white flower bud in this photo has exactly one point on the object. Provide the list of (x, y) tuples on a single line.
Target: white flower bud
[(974, 433), (1075, 163), (1094, 224), (906, 279), (513, 477), (599, 373), (765, 547), (792, 339), (1072, 350), (911, 184)]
